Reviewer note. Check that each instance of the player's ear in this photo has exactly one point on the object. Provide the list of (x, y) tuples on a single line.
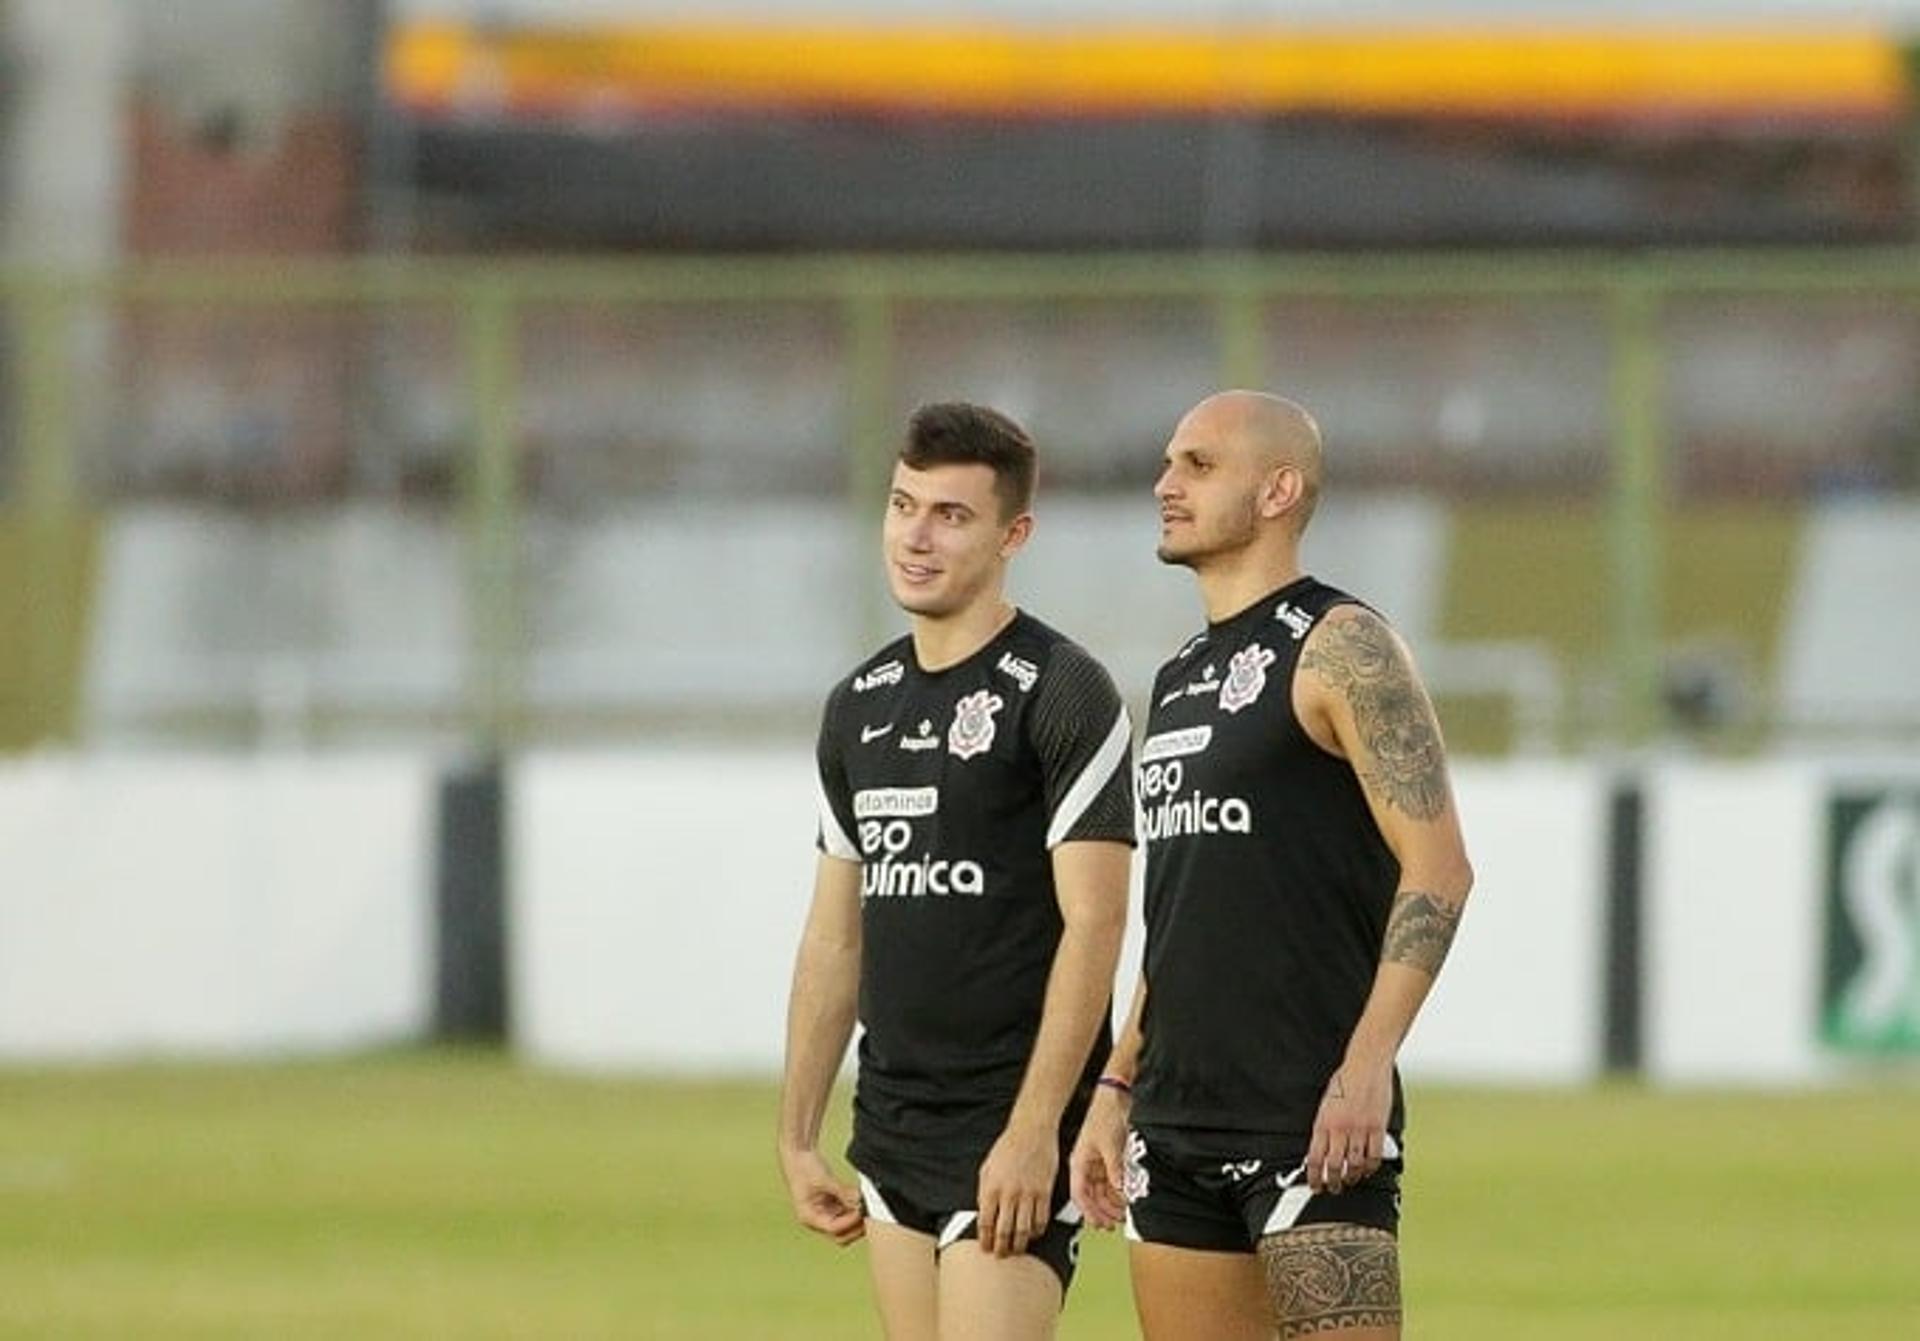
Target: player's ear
[(1281, 491), (1017, 532)]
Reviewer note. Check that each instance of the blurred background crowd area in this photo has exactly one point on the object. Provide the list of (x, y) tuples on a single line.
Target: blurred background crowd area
[(389, 370)]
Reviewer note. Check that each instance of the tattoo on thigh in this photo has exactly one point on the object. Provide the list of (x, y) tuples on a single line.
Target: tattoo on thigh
[(1332, 1278)]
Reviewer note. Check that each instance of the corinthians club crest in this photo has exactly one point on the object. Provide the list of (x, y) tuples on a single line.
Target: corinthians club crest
[(972, 729), (1136, 1182), (1246, 677)]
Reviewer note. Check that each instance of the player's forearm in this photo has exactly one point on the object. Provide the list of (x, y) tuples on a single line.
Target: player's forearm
[(1425, 915), (1079, 996), (1397, 995), (1123, 1062), (1420, 931), (820, 1019)]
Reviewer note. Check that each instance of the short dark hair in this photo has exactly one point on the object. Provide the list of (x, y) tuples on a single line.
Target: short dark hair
[(956, 432)]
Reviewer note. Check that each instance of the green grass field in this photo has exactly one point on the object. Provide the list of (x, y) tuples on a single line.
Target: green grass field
[(453, 1195)]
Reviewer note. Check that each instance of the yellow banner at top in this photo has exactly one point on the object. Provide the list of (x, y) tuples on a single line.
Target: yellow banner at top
[(986, 71)]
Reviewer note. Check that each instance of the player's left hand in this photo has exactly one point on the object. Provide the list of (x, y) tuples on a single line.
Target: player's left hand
[(1096, 1169), (821, 1201), (1350, 1130), (1016, 1188)]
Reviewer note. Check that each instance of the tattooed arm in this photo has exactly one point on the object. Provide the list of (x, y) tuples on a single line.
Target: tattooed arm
[(1360, 698)]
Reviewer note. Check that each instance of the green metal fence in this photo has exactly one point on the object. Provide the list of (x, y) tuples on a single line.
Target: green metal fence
[(486, 298)]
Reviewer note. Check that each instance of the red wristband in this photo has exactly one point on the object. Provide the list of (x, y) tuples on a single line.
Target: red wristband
[(1116, 1083)]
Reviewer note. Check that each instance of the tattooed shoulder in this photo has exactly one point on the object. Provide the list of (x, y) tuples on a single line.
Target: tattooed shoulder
[(1355, 654)]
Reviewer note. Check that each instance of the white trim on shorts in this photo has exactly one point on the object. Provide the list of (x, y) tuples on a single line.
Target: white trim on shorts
[(876, 1204)]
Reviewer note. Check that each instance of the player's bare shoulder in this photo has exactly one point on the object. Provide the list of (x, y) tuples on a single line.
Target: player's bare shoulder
[(1355, 666)]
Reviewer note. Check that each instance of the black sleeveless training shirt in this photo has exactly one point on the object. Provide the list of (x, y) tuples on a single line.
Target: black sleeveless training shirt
[(1268, 883)]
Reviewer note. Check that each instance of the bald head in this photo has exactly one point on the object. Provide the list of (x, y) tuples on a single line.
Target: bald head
[(1271, 431)]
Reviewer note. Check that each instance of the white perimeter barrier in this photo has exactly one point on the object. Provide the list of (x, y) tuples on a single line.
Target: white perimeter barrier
[(1520, 997), (274, 904), (213, 906), (1782, 920), (657, 901)]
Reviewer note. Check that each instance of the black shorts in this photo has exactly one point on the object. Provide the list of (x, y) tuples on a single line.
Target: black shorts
[(1059, 1247), (1225, 1191)]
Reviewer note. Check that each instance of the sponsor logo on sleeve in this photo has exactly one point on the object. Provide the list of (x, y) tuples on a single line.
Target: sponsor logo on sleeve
[(886, 673), (869, 734), (1298, 621), (1024, 672)]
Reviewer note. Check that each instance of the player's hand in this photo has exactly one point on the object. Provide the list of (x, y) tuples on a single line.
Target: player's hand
[(822, 1202), (1097, 1169), (1016, 1188), (1350, 1130)]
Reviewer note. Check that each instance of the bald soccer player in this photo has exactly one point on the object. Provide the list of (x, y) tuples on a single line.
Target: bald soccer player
[(1305, 876)]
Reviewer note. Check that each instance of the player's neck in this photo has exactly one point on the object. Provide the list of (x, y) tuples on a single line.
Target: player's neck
[(1233, 582), (947, 640)]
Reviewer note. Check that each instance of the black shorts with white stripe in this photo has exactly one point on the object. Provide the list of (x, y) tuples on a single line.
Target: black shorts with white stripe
[(1225, 1191), (1059, 1247)]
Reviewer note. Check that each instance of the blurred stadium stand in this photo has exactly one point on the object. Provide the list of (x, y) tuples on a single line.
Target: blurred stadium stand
[(1853, 589), (349, 624), (803, 132)]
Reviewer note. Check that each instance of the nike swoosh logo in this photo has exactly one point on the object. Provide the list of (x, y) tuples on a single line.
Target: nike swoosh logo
[(868, 733)]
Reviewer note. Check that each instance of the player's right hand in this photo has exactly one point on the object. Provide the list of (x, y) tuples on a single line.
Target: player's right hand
[(1096, 1170), (822, 1202)]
